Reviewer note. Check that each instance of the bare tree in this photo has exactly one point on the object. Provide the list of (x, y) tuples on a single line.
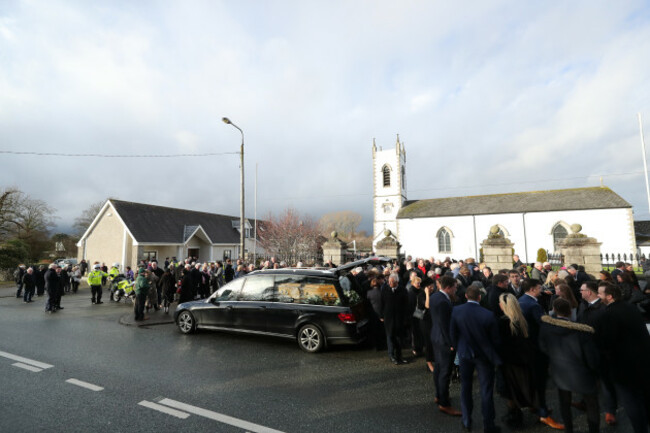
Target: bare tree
[(291, 237), (344, 222), (9, 200), (83, 221), (27, 220)]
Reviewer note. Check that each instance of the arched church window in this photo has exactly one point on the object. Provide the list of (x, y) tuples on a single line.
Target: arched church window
[(559, 233), (444, 241), (386, 172), (403, 173)]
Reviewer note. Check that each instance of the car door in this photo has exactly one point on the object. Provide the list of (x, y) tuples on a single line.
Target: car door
[(281, 319), (250, 310), (218, 309)]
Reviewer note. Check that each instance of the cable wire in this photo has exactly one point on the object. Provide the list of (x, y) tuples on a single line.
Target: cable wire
[(100, 155)]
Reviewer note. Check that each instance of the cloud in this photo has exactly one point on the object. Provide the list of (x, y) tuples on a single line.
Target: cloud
[(487, 96)]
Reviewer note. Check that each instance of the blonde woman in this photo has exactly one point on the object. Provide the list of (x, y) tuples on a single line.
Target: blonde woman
[(517, 353)]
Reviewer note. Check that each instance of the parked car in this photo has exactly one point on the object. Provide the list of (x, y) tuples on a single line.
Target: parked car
[(66, 262), (315, 307)]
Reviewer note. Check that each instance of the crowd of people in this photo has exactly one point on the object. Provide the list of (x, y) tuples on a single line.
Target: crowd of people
[(514, 327), (174, 281)]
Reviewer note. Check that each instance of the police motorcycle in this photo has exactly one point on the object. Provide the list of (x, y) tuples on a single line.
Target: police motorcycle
[(121, 288)]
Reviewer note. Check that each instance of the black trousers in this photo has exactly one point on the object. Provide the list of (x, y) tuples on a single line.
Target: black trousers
[(593, 411), (417, 340), (96, 293), (444, 362), (140, 300), (635, 401)]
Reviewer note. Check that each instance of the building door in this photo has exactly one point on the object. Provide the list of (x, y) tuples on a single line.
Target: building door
[(193, 252)]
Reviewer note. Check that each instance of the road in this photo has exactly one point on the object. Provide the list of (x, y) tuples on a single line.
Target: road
[(85, 372)]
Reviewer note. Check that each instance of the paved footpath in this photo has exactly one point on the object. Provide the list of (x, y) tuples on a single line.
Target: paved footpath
[(8, 290)]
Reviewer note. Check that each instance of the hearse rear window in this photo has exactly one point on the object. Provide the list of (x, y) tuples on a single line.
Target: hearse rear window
[(306, 290)]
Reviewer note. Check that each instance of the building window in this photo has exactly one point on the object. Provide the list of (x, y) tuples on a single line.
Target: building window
[(386, 172), (559, 233), (403, 176), (388, 207), (227, 254), (150, 255), (444, 241), (247, 233)]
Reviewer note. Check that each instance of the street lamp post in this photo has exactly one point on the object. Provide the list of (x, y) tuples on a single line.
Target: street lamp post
[(241, 204)]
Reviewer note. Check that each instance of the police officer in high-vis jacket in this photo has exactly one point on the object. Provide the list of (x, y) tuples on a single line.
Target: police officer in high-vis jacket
[(95, 282)]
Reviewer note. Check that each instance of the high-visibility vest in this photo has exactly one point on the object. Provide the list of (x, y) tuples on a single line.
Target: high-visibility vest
[(114, 272), (95, 278)]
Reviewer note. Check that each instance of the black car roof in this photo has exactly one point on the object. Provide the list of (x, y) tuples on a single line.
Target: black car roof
[(296, 271)]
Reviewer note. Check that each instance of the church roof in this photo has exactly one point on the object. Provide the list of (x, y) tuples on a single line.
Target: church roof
[(534, 201), (148, 223)]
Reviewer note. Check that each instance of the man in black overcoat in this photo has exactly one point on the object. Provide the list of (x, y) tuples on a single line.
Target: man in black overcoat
[(625, 344), (394, 314)]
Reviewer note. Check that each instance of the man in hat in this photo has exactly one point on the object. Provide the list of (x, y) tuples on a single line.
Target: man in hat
[(141, 292), (18, 278)]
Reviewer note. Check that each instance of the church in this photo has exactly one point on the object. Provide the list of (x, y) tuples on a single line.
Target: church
[(455, 226)]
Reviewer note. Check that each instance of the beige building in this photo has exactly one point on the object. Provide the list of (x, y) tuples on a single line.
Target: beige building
[(127, 232)]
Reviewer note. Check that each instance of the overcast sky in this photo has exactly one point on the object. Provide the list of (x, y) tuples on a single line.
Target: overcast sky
[(488, 96)]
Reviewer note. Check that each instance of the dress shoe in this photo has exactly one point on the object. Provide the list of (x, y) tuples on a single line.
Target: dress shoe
[(551, 423), (610, 418), (394, 361), (59, 308), (100, 302), (580, 405), (402, 361), (449, 410)]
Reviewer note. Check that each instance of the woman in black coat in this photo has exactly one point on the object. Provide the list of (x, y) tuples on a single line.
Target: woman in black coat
[(168, 286), (574, 362), (429, 286), (517, 353), (186, 288)]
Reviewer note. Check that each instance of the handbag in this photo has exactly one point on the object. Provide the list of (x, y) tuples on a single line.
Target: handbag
[(419, 313)]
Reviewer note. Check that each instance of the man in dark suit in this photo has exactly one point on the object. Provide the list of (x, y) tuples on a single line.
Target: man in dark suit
[(394, 308), (623, 338), (533, 313), (475, 335), (515, 282), (440, 306), (500, 285), (589, 312)]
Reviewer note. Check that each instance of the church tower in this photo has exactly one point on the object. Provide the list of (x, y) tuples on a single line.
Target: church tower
[(389, 188)]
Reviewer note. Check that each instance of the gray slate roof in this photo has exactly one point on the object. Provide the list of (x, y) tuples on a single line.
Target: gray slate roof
[(534, 201), (642, 228), (166, 225)]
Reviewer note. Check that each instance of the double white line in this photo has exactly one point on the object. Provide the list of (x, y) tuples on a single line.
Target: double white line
[(183, 410), (26, 363)]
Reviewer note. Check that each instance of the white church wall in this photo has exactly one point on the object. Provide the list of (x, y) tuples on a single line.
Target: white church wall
[(609, 226), (419, 237), (612, 227)]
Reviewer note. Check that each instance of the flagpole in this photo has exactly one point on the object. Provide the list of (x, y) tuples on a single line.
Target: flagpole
[(645, 164)]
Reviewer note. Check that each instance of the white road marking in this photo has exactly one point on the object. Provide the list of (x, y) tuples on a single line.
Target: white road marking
[(27, 367), (38, 364), (163, 409), (86, 385), (244, 425)]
